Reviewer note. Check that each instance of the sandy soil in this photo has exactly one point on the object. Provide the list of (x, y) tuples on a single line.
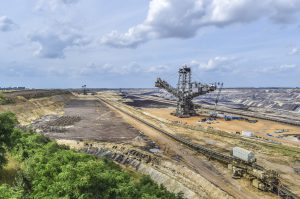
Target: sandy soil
[(199, 163), (29, 110), (102, 123), (261, 128), (283, 164), (274, 157)]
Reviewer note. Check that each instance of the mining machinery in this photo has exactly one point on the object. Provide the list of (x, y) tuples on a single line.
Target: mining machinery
[(260, 177), (84, 89), (186, 90), (215, 113)]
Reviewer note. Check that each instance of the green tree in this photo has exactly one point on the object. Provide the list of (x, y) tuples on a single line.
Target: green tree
[(59, 173), (149, 189), (53, 171), (8, 122), (7, 192)]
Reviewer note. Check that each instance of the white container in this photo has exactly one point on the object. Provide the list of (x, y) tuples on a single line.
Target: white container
[(195, 90), (243, 154), (247, 133)]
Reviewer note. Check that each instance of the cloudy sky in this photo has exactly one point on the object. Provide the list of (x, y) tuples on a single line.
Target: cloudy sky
[(68, 43)]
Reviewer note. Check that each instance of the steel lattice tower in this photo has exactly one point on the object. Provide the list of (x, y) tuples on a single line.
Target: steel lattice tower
[(185, 92)]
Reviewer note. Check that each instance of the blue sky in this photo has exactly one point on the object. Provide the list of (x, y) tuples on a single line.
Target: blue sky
[(68, 43)]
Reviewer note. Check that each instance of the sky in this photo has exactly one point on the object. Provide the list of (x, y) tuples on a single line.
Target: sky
[(128, 44)]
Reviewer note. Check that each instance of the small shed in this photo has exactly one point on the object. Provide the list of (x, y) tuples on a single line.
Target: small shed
[(247, 133), (243, 154)]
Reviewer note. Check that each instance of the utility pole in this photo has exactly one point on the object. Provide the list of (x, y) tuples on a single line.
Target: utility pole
[(186, 91), (84, 90)]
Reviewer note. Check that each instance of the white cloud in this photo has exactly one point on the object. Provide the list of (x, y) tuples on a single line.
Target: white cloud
[(131, 68), (286, 67), (279, 69), (89, 70), (158, 69), (18, 69), (215, 64), (294, 51), (92, 69), (53, 44), (6, 24), (182, 19), (134, 37), (53, 4)]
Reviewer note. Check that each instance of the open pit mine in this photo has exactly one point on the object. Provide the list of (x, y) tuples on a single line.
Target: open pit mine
[(202, 140)]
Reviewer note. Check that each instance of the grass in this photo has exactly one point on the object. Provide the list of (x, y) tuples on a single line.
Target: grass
[(9, 172)]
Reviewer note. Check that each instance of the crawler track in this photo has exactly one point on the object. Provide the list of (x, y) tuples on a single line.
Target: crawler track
[(275, 187)]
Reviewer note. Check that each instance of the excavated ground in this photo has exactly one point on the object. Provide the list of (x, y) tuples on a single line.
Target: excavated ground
[(28, 110), (284, 159), (97, 122), (263, 128), (100, 125), (142, 103), (31, 94), (212, 172), (86, 121), (74, 120)]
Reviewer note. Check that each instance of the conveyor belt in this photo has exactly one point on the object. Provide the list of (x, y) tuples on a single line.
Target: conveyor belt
[(281, 190)]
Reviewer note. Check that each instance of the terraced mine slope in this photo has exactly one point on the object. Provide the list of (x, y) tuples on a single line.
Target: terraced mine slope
[(31, 105), (119, 126), (279, 99)]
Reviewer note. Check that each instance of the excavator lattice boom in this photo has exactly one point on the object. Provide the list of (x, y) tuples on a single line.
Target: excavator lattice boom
[(185, 92)]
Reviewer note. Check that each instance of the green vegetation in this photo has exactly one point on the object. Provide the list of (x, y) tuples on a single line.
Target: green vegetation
[(52, 171), (4, 100), (9, 171), (7, 125), (8, 192)]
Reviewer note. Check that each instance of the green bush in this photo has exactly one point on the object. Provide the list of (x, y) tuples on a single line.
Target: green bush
[(53, 171), (7, 192), (7, 124)]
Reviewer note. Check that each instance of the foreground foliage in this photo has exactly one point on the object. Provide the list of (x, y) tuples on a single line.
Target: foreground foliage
[(53, 171), (7, 124)]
